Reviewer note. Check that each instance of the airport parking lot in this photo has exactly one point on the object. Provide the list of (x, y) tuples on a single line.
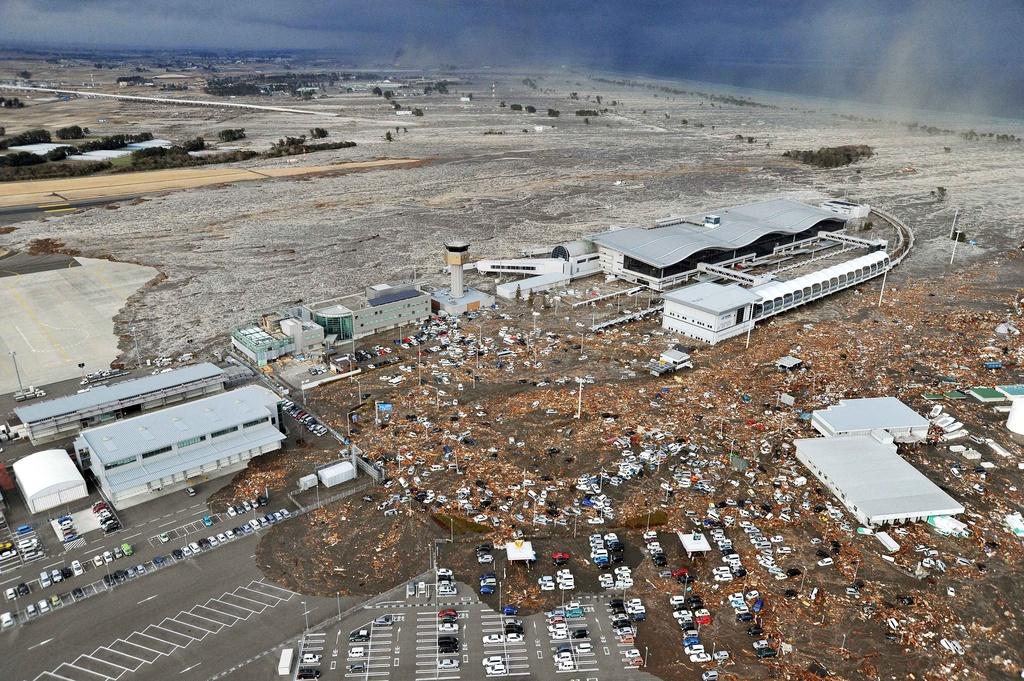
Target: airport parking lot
[(400, 643)]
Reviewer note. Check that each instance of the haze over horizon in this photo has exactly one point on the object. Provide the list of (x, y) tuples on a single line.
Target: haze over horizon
[(940, 55)]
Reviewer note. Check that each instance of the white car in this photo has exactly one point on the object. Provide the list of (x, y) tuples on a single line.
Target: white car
[(448, 663), (701, 657), (546, 584), (357, 652), (493, 660), (497, 670), (584, 648), (76, 568), (494, 638), (824, 562), (448, 628), (513, 638)]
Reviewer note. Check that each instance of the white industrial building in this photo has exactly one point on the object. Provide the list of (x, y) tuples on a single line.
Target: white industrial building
[(336, 473), (138, 459), (64, 416), (863, 415), (49, 479), (845, 208), (873, 482), (524, 288)]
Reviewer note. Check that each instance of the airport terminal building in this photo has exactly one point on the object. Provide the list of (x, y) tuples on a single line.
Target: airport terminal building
[(135, 460), (668, 253)]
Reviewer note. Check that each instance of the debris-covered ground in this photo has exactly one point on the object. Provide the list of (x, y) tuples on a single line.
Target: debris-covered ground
[(508, 456)]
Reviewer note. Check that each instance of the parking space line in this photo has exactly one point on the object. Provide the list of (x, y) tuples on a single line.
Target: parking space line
[(92, 664), (135, 650), (107, 652), (262, 606), (219, 625), (190, 625), (80, 674), (157, 645)]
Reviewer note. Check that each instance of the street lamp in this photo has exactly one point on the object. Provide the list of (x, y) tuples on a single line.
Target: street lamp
[(305, 615), (14, 358)]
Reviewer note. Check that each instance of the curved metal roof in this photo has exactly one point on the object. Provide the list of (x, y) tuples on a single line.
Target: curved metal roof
[(740, 226), (779, 289), (47, 472)]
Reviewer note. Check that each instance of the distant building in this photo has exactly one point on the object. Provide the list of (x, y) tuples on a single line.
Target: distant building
[(458, 298), (141, 458), (864, 415), (65, 416), (379, 308), (872, 481), (307, 336), (847, 209)]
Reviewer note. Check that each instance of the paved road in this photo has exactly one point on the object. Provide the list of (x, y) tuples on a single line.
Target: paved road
[(58, 206), (214, 612)]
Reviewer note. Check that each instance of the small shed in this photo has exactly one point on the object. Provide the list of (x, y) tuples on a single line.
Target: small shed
[(788, 363), (335, 474), (693, 542), (520, 550)]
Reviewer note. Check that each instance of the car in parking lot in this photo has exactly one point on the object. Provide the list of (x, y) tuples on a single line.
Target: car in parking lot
[(447, 663)]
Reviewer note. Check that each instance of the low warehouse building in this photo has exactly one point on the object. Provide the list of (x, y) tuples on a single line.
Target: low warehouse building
[(861, 416), (138, 459), (49, 479), (872, 481), (522, 289), (336, 473), (65, 416)]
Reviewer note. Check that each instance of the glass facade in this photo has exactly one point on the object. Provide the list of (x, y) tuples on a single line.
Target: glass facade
[(335, 324)]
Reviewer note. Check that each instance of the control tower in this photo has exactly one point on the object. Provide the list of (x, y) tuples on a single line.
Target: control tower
[(458, 298), (455, 257)]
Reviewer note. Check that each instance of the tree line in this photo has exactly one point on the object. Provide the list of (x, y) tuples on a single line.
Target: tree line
[(831, 157)]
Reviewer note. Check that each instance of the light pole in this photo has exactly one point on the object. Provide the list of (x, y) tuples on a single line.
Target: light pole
[(14, 358), (305, 615)]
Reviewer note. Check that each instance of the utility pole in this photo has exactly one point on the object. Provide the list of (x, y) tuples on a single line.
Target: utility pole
[(14, 358), (750, 330), (956, 238), (579, 402), (882, 292), (953, 228)]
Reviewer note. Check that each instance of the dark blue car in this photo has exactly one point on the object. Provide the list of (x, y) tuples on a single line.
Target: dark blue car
[(510, 610)]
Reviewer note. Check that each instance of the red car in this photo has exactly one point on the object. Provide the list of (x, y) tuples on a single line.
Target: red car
[(447, 613), (560, 557), (681, 573)]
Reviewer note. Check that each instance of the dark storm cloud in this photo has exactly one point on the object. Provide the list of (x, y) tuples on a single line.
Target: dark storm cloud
[(921, 52)]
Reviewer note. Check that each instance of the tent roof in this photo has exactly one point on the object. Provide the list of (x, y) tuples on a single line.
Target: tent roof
[(46, 471)]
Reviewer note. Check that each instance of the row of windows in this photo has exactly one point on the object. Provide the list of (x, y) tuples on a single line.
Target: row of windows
[(156, 452), (250, 424), (119, 462), (680, 317), (190, 441), (817, 290), (516, 268), (225, 431)]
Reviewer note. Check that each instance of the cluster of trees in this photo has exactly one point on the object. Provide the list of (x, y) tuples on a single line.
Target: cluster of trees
[(832, 157), (724, 99), (386, 94), (291, 146), (24, 75), (131, 80), (72, 132), (590, 113), (529, 108), (36, 136), (749, 139), (114, 142), (226, 88), (11, 103), (530, 83), (197, 144), (318, 133), (231, 134), (19, 159), (554, 113), (441, 88), (51, 170), (160, 158)]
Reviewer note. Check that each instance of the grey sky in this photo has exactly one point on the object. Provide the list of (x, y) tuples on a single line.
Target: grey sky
[(925, 51)]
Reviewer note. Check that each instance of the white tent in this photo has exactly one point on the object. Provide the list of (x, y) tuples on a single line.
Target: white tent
[(49, 478)]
